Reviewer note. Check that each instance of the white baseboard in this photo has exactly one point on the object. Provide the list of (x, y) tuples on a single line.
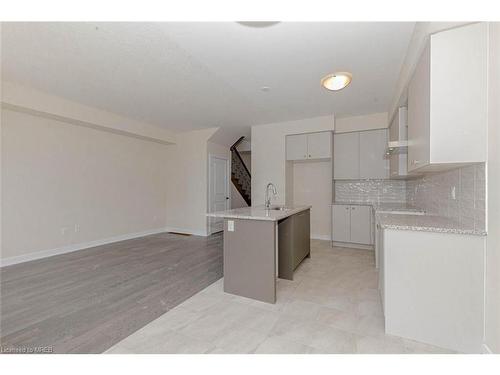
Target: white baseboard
[(202, 233), (486, 349), (323, 237), (75, 247), (85, 245), (353, 245)]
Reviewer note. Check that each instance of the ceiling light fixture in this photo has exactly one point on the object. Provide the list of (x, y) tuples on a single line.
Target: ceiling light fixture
[(336, 81), (258, 24)]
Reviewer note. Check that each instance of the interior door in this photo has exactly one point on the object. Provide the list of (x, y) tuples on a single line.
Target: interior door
[(219, 191)]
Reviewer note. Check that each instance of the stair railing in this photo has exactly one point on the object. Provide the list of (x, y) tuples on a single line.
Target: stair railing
[(239, 173)]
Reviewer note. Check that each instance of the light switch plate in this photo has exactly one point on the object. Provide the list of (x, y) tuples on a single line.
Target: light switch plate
[(230, 225)]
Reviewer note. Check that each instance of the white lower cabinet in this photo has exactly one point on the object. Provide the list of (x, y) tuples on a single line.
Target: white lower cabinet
[(432, 287), (352, 224), (341, 221)]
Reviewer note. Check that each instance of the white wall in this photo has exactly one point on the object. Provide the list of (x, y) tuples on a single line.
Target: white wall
[(21, 98), (312, 185), (492, 310), (307, 183), (268, 153), (56, 175), (69, 184), (187, 166), (363, 122)]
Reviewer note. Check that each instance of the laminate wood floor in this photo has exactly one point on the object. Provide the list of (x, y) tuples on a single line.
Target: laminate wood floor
[(88, 300)]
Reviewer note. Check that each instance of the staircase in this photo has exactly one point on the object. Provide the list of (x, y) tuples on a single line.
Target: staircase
[(240, 175)]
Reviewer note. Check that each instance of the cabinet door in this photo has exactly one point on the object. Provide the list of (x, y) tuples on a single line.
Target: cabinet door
[(419, 114), (319, 145), (458, 109), (296, 147), (361, 225), (346, 156), (372, 146), (341, 223)]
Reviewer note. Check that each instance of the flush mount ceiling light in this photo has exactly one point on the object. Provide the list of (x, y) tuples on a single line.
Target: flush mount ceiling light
[(258, 24), (336, 81)]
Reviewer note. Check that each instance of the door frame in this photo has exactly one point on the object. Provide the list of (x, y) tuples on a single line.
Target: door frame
[(210, 192)]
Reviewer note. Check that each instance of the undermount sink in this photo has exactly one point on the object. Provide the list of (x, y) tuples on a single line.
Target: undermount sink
[(278, 208)]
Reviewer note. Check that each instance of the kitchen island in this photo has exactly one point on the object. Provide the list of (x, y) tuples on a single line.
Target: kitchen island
[(261, 244)]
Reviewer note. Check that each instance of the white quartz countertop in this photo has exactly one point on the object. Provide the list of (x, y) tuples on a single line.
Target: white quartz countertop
[(427, 223), (259, 213)]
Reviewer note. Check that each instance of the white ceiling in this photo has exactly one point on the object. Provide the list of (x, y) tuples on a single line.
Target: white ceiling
[(186, 76)]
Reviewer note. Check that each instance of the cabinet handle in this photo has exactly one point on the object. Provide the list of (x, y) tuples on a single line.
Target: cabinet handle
[(347, 208), (353, 208), (309, 155)]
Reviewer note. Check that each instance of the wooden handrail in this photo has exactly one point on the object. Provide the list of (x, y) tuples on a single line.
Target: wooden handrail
[(233, 147)]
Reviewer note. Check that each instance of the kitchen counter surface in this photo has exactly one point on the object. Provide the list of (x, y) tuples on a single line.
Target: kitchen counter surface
[(384, 206), (258, 213), (426, 223)]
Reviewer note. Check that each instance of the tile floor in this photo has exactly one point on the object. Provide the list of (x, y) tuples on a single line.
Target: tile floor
[(331, 306)]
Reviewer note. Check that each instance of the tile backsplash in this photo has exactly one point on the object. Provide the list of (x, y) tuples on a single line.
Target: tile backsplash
[(370, 191), (459, 194)]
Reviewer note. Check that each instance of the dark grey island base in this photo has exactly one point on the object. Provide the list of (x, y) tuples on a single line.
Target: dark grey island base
[(260, 246), (294, 243), (250, 259)]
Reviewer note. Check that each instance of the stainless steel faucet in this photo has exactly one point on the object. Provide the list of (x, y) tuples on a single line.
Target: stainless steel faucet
[(268, 198)]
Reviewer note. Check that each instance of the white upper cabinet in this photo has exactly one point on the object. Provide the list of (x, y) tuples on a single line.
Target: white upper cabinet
[(346, 156), (447, 101), (309, 146), (360, 155), (296, 147), (372, 163), (319, 145)]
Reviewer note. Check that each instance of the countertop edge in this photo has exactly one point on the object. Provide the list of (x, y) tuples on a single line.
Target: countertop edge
[(470, 232), (282, 214)]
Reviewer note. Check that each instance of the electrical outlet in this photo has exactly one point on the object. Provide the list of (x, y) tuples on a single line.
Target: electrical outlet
[(64, 231), (77, 228), (230, 225), (453, 193)]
